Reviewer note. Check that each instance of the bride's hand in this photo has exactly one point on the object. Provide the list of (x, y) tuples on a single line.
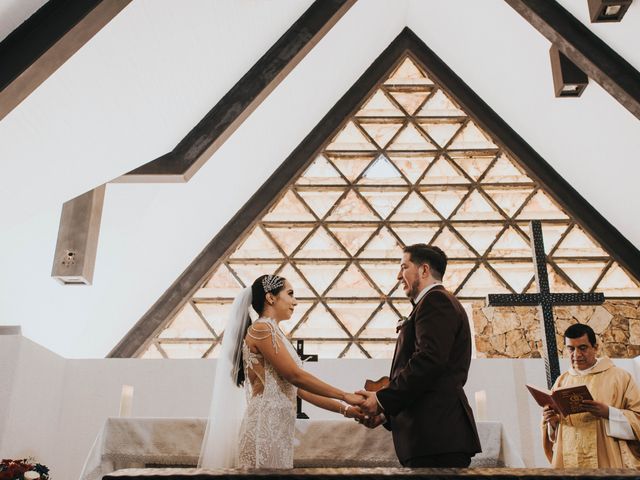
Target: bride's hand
[(353, 399)]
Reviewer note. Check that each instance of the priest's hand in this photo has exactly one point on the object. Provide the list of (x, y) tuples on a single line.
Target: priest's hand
[(598, 409), (370, 406), (551, 416)]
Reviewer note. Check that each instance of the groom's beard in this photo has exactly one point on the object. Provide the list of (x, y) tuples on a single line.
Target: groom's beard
[(413, 291)]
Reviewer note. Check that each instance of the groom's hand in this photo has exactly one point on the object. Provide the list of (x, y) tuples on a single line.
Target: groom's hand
[(373, 422), (370, 406), (356, 414)]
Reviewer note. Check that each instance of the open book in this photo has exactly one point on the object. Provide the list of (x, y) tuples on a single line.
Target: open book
[(566, 400)]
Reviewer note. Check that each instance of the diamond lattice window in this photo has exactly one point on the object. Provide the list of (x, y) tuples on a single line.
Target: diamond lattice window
[(408, 166)]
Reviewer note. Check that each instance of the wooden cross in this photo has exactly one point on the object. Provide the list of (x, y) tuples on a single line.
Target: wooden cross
[(546, 300), (305, 357)]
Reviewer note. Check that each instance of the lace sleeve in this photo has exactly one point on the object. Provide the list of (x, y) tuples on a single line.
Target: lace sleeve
[(262, 330)]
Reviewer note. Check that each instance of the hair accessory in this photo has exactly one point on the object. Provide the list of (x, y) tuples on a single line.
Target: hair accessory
[(272, 282)]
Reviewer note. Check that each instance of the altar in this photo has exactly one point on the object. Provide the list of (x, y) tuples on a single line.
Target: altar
[(125, 443)]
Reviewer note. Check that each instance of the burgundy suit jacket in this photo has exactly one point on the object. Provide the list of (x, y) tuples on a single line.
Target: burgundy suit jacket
[(425, 403)]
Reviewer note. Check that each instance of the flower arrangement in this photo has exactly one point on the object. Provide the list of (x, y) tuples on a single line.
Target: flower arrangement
[(23, 470)]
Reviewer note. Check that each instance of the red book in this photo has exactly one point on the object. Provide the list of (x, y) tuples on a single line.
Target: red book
[(566, 400)]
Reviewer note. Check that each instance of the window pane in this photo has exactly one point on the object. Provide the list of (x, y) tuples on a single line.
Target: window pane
[(187, 324), (354, 208), (414, 209), (442, 172), (381, 132), (441, 132), (352, 284), (471, 138), (353, 314), (320, 201), (350, 138), (352, 237), (382, 325), (319, 324), (439, 105), (379, 106), (411, 139), (476, 207), (408, 73), (505, 171), (320, 245), (578, 244), (290, 208), (382, 245), (382, 172), (320, 172), (410, 100)]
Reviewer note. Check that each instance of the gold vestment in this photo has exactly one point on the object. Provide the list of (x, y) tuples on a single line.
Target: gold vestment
[(581, 438)]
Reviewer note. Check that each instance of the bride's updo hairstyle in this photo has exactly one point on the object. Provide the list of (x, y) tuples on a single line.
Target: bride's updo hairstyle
[(264, 284)]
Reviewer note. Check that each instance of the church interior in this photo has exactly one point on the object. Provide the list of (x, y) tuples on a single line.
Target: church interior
[(158, 156)]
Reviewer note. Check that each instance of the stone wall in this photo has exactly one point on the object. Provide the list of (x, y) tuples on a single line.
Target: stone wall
[(515, 332)]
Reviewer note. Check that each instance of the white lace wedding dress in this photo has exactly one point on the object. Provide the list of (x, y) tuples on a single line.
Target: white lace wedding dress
[(266, 433)]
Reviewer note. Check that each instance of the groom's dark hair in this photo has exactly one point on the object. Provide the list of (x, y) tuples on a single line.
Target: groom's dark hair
[(421, 253)]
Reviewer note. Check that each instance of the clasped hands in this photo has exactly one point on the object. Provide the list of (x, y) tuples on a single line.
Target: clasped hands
[(366, 409)]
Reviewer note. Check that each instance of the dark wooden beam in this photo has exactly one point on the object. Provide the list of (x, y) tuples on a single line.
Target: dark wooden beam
[(227, 115), (593, 56), (47, 39), (406, 42)]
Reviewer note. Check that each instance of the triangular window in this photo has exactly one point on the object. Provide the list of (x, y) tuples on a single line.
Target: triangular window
[(408, 165)]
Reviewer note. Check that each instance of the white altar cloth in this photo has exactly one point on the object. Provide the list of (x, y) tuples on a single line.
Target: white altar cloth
[(150, 442)]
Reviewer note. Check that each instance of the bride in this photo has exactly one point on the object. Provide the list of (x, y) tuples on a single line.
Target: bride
[(259, 357)]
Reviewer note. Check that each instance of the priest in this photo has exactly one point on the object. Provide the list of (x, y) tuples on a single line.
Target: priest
[(607, 434)]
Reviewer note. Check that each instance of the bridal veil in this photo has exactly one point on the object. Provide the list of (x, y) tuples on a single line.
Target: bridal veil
[(228, 402)]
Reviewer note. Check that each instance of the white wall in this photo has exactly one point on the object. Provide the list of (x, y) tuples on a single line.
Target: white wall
[(55, 407), (35, 398), (9, 358), (52, 408)]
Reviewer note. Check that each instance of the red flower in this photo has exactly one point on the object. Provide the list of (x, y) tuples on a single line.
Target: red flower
[(15, 469)]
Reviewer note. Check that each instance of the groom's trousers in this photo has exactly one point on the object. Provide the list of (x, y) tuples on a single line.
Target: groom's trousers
[(444, 460)]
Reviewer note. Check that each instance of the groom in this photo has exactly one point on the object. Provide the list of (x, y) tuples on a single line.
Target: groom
[(424, 404)]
